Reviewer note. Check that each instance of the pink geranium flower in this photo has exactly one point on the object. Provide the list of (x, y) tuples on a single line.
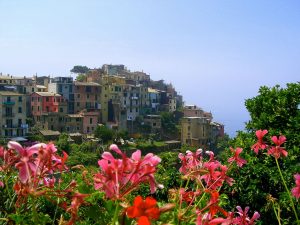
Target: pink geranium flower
[(236, 158), (277, 150), (26, 165), (190, 161), (118, 177), (243, 217), (296, 190), (260, 143)]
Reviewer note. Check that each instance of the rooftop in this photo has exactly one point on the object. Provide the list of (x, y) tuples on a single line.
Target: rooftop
[(75, 115), (47, 94), (49, 132), (41, 86), (78, 83), (151, 90), (9, 93)]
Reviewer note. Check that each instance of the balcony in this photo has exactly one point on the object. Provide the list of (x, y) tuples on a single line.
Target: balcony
[(8, 103), (10, 126), (14, 126), (8, 115)]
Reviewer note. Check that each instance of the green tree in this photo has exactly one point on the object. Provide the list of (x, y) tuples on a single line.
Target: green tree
[(80, 69), (81, 77), (275, 109), (63, 143), (104, 133), (168, 122)]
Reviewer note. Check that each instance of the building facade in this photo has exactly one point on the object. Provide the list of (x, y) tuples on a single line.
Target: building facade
[(65, 87), (195, 131), (13, 114)]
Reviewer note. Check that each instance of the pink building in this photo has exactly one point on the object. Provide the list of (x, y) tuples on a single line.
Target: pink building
[(90, 122), (192, 111), (86, 96), (47, 104)]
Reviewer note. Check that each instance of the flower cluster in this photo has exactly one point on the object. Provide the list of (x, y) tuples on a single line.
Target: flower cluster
[(209, 175), (212, 172), (276, 151), (39, 168), (241, 218), (118, 177)]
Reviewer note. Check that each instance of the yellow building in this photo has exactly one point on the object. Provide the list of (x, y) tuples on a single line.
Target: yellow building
[(111, 97), (13, 114), (195, 131)]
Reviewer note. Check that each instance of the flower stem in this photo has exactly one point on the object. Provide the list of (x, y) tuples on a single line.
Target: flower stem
[(288, 191), (115, 219), (277, 214)]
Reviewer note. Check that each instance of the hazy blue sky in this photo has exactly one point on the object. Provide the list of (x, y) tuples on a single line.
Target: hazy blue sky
[(216, 53)]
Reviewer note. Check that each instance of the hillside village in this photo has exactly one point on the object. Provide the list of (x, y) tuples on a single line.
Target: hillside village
[(110, 96)]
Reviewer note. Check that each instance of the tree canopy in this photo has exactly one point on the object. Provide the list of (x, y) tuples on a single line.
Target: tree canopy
[(80, 69)]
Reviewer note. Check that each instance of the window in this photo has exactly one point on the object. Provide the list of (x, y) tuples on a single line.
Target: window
[(61, 109), (78, 95), (88, 89), (32, 89), (87, 96), (20, 99), (20, 110), (78, 104), (19, 122), (47, 99), (91, 120), (154, 124), (136, 109), (38, 108)]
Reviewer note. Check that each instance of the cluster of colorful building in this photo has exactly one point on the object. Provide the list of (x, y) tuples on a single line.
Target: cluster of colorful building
[(111, 95)]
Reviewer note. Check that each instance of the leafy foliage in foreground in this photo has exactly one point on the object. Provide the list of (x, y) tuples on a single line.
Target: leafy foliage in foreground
[(259, 184)]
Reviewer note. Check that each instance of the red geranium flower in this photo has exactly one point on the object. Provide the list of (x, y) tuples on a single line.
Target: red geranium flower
[(260, 143), (143, 210), (239, 161), (277, 150)]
